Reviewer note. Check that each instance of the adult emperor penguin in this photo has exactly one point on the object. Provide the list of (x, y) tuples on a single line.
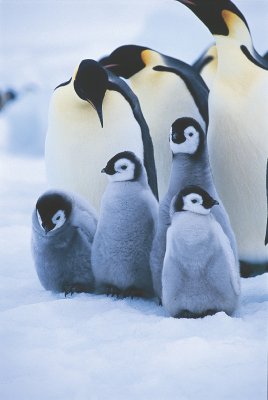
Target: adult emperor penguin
[(238, 130), (190, 166), (167, 88), (123, 240), (93, 116), (206, 65), (63, 227), (200, 274)]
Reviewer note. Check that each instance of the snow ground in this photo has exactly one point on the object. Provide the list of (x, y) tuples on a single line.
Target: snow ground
[(90, 347)]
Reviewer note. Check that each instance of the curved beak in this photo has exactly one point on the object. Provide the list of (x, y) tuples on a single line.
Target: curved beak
[(98, 108), (103, 171)]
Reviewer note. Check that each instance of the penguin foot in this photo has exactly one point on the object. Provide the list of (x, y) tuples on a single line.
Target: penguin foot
[(113, 291), (76, 288), (133, 292), (249, 270), (190, 314)]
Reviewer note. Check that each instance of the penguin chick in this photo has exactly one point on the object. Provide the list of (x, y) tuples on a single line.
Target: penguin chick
[(92, 117), (190, 166), (167, 88), (206, 65), (63, 227), (122, 244), (238, 131), (200, 276)]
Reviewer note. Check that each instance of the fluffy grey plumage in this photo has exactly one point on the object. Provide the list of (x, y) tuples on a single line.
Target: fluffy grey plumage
[(200, 274), (63, 227), (190, 166), (122, 244)]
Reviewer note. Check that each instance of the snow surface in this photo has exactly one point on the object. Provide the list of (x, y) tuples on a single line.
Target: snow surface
[(89, 347)]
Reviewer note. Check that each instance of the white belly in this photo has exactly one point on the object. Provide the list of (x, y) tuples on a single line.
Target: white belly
[(238, 149), (77, 148), (163, 97)]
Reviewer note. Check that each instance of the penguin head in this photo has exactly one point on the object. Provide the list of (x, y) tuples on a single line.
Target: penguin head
[(218, 15), (90, 84), (124, 166), (186, 136), (53, 210), (125, 61), (195, 199)]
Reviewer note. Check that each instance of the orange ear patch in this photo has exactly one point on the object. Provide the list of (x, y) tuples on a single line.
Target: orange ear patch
[(229, 18), (150, 57)]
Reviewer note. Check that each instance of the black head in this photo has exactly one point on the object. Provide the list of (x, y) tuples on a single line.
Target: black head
[(125, 61), (186, 136), (210, 13), (194, 198), (53, 210), (123, 166), (91, 83)]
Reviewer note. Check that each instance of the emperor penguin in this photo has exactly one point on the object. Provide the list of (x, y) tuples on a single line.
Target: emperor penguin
[(123, 240), (238, 129), (200, 276), (167, 88), (206, 65), (190, 166), (93, 116), (63, 227)]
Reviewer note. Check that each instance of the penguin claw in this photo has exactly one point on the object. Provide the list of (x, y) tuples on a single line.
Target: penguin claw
[(75, 288), (113, 291), (133, 292)]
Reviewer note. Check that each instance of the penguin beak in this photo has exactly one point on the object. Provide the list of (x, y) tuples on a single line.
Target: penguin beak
[(100, 114), (111, 65), (103, 171), (215, 203), (188, 2), (98, 109), (46, 229)]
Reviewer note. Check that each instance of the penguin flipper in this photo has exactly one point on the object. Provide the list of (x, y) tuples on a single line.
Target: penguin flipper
[(117, 84), (266, 236), (195, 85), (255, 58), (202, 61)]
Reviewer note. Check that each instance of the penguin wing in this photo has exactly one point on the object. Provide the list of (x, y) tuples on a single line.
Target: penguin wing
[(203, 60), (255, 58), (266, 236), (117, 84), (229, 259), (63, 84), (195, 84)]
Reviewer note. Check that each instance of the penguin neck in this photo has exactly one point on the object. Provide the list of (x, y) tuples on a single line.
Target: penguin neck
[(233, 67), (197, 167)]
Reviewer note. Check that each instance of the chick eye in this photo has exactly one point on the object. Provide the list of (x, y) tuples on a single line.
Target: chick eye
[(194, 201), (58, 218), (191, 134), (124, 167)]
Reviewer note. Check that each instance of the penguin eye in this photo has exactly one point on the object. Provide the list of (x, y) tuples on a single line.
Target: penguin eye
[(124, 167), (58, 218), (194, 201), (191, 134)]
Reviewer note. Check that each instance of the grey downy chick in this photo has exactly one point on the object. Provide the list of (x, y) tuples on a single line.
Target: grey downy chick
[(123, 240), (63, 227), (200, 275)]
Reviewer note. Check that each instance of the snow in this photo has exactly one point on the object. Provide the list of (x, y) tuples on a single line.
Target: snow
[(90, 347)]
